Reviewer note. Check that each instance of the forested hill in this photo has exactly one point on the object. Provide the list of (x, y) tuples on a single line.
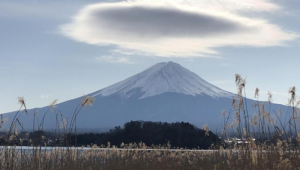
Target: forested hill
[(180, 134)]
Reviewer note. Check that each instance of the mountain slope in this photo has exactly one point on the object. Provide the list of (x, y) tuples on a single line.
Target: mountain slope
[(162, 78), (164, 92)]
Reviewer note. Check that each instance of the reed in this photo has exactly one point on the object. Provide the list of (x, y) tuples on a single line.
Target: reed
[(279, 154)]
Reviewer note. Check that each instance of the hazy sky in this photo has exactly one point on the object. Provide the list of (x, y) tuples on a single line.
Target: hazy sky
[(65, 49)]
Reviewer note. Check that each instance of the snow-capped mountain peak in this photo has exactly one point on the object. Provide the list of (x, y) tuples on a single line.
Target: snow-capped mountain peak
[(161, 78)]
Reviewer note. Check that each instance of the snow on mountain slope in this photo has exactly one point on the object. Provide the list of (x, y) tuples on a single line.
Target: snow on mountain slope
[(162, 78), (165, 92)]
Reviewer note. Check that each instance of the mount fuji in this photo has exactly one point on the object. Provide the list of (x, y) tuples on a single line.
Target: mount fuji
[(165, 92), (163, 78)]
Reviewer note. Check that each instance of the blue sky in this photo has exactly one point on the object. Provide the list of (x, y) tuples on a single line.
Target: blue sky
[(65, 49)]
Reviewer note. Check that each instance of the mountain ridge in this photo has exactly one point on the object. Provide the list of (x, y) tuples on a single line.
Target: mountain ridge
[(160, 78), (168, 100)]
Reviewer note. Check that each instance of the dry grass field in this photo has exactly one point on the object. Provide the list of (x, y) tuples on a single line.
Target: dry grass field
[(281, 154)]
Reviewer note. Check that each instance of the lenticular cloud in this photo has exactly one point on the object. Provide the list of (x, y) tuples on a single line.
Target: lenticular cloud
[(168, 28)]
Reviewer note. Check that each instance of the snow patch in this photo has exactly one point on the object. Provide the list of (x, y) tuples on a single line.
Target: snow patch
[(162, 78)]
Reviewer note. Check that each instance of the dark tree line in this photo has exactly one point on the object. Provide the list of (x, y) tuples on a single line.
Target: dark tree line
[(180, 134)]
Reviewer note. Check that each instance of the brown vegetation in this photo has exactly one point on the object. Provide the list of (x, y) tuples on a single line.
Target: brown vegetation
[(280, 154)]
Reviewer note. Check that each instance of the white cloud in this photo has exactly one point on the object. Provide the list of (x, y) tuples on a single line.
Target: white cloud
[(277, 96), (190, 60), (45, 96), (223, 5), (225, 64), (114, 59), (178, 28), (126, 52)]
